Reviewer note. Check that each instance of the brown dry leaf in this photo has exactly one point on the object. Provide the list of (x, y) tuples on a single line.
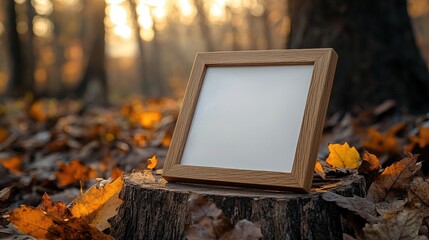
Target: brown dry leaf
[(98, 204), (418, 194), (6, 195), (343, 156), (74, 172), (370, 163), (36, 223), (359, 206), (393, 179), (205, 213), (58, 210), (403, 225), (244, 229), (318, 168), (152, 162), (383, 143)]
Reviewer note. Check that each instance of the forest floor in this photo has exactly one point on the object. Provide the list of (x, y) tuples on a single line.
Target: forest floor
[(62, 148)]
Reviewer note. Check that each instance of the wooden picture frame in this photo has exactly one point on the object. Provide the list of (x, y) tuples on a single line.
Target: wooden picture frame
[(216, 76)]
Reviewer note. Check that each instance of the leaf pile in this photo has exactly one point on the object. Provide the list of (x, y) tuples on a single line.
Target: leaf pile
[(210, 223), (86, 217), (63, 147)]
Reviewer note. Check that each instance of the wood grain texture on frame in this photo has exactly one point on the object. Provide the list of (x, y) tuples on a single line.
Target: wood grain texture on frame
[(300, 178)]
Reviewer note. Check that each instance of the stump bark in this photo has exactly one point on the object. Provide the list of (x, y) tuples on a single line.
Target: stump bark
[(155, 210)]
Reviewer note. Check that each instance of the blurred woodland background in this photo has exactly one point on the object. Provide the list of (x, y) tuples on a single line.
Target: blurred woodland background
[(106, 51)]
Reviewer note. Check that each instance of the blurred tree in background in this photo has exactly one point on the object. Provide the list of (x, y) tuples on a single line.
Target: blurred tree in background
[(100, 50)]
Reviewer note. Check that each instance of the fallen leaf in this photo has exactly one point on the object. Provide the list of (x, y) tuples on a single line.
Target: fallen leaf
[(422, 140), (40, 225), (116, 172), (74, 172), (370, 163), (98, 204), (319, 170), (418, 194), (12, 163), (403, 225), (393, 179), (5, 195), (383, 143), (343, 156), (205, 213), (4, 134), (152, 162), (58, 210), (384, 208), (359, 206), (244, 229)]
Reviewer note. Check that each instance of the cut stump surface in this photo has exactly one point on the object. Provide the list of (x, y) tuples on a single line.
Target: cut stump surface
[(158, 210)]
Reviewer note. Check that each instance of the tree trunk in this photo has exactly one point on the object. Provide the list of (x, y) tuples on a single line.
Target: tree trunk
[(21, 52), (94, 80), (378, 56), (160, 211)]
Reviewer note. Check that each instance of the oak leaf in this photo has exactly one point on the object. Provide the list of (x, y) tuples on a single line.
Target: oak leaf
[(35, 222), (58, 209), (403, 225), (393, 179), (383, 143), (343, 156), (98, 204), (359, 206), (74, 172), (418, 194)]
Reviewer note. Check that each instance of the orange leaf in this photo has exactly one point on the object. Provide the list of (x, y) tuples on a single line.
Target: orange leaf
[(74, 172), (370, 163), (152, 162), (319, 170), (383, 143), (422, 140), (40, 225), (98, 204), (343, 156), (13, 163), (393, 179), (58, 210), (4, 134), (116, 172)]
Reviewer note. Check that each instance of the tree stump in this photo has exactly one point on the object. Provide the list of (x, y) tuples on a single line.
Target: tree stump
[(158, 210)]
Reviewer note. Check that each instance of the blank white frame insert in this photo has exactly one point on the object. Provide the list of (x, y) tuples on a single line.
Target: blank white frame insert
[(244, 118)]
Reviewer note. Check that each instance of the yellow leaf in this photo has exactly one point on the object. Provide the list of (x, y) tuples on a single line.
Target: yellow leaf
[(40, 225), (152, 162), (343, 156), (370, 163), (98, 204)]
